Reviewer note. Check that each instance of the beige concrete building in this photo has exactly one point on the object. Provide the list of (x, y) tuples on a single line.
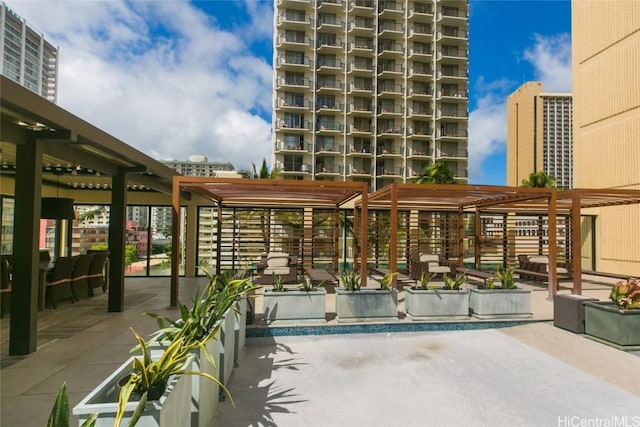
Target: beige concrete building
[(539, 134), (370, 90), (606, 94)]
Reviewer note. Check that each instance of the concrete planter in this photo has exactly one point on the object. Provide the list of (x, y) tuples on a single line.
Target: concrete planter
[(431, 304), (366, 305), (295, 306), (204, 392), (240, 328), (500, 303), (172, 409), (605, 322), (228, 341)]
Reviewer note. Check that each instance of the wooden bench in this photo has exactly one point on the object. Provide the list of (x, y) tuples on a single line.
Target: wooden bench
[(475, 273), (320, 276), (542, 276), (400, 277), (609, 275)]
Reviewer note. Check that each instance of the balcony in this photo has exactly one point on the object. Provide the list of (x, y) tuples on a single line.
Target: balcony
[(453, 133), (359, 149), (293, 62), (361, 66), (361, 87), (453, 53), (329, 127), (452, 74), (420, 92), (328, 169), (390, 69), (386, 48), (294, 20), (325, 22), (420, 69), (389, 130), (361, 108), (293, 82), (389, 88), (453, 33), (419, 130), (390, 110), (329, 5), (420, 110), (389, 171), (328, 85), (390, 28), (453, 153), (360, 128), (421, 9), (329, 107), (390, 9), (328, 148), (360, 5), (453, 93), (420, 150), (420, 31), (360, 170), (293, 104), (323, 45), (420, 51), (295, 40), (286, 146), (451, 14), (361, 47), (453, 113), (293, 125), (361, 25), (329, 64), (295, 168)]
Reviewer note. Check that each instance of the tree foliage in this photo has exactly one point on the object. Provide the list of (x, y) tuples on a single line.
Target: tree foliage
[(263, 173), (539, 180), (436, 173)]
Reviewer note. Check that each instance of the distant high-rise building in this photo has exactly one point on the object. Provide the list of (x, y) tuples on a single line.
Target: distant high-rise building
[(370, 90), (198, 165), (606, 94), (27, 57), (539, 135)]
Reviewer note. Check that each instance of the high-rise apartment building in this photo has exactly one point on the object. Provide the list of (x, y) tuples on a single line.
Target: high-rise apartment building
[(606, 98), (539, 135), (370, 90), (198, 165), (27, 57)]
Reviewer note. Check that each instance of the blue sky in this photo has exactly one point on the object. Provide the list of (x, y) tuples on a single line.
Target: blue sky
[(175, 78)]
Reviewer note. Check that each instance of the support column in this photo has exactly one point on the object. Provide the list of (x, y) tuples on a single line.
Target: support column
[(576, 244), (24, 292), (477, 246), (553, 243), (393, 241), (460, 237), (191, 257), (117, 241), (175, 242)]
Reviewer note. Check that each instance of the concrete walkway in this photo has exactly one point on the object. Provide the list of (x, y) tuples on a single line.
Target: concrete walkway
[(533, 375)]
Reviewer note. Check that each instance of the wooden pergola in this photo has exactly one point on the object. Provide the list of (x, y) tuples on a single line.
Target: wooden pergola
[(264, 194), (495, 199)]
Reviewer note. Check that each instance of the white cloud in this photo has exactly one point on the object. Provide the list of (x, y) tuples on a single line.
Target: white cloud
[(551, 59), (487, 132), (162, 76)]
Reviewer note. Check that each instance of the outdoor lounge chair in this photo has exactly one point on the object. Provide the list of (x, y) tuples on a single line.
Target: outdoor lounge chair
[(431, 263), (280, 264), (96, 275), (79, 279), (59, 280)]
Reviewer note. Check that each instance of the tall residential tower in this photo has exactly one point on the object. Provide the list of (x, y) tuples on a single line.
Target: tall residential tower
[(539, 135), (370, 90), (27, 57)]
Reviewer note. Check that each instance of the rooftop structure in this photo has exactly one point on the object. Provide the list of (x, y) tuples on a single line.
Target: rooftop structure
[(27, 58)]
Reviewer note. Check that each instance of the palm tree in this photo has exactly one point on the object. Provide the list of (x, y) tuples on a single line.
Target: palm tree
[(539, 180), (264, 172), (436, 173)]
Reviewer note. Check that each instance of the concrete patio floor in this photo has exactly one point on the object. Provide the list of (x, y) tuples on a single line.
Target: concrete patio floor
[(82, 343)]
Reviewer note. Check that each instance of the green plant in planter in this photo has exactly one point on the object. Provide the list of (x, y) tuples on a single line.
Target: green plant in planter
[(277, 285), (149, 377), (350, 280), (425, 279), (626, 295), (453, 283), (308, 286), (505, 276), (387, 279), (60, 415)]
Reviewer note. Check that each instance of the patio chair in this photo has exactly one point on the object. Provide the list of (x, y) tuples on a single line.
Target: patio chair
[(280, 264), (96, 275), (80, 277), (5, 283), (59, 280), (432, 263)]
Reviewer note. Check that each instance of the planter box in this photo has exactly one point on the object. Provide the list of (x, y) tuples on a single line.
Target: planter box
[(204, 392), (228, 341), (500, 303), (605, 322), (172, 409), (240, 328), (366, 305), (568, 312), (294, 306), (430, 304)]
